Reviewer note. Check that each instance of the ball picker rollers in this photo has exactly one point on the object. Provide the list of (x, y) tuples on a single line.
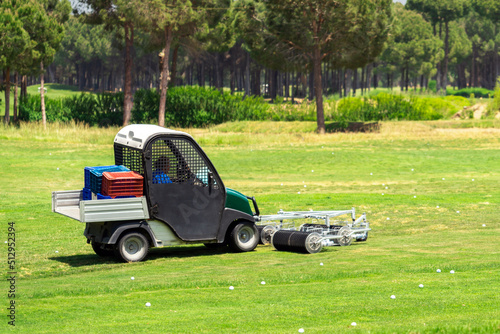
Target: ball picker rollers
[(280, 230)]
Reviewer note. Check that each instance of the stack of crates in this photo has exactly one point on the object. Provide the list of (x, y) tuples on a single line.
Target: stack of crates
[(121, 184), (93, 179)]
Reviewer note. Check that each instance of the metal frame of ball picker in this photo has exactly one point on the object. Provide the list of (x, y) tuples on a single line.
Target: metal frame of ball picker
[(329, 237)]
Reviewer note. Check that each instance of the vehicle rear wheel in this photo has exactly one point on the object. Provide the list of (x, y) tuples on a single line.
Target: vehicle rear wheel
[(100, 250), (132, 247), (244, 237)]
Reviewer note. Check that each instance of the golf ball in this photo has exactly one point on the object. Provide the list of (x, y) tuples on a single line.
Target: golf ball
[(312, 171), (382, 194), (132, 278), (353, 324), (301, 330), (321, 264), (57, 168), (57, 251), (388, 218), (386, 187), (438, 271), (231, 287), (262, 282), (484, 225), (421, 286), (443, 178), (412, 169), (437, 206), (393, 297), (298, 192), (452, 271), (148, 304), (414, 196), (458, 211), (371, 173), (472, 179)]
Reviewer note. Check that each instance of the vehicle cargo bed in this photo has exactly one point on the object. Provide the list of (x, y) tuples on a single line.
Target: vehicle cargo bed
[(69, 203)]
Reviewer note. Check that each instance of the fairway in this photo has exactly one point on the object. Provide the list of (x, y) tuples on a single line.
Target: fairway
[(430, 192)]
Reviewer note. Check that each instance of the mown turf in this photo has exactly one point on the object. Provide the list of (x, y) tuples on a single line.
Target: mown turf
[(442, 186)]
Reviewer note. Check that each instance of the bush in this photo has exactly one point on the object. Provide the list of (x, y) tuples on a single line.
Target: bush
[(193, 106), (467, 92), (30, 109), (94, 109), (432, 86), (494, 105)]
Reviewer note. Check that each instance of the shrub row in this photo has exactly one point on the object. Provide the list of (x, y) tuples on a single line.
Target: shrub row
[(94, 109), (193, 106), (471, 92)]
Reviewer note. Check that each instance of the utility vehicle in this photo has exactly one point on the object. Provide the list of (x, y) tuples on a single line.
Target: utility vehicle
[(191, 205)]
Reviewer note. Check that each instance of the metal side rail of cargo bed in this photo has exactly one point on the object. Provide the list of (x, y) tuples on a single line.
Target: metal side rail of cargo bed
[(70, 204), (340, 233)]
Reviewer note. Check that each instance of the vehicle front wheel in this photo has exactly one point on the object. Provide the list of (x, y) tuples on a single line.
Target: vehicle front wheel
[(132, 247), (100, 249), (244, 237)]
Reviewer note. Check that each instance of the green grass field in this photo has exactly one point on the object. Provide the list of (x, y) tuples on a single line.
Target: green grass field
[(440, 210)]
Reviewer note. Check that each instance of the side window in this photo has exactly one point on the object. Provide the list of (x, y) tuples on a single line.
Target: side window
[(177, 161)]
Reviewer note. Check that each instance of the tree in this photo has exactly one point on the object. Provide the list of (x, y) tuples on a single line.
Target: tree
[(347, 33), (168, 18), (439, 12), (121, 16), (413, 49), (14, 40)]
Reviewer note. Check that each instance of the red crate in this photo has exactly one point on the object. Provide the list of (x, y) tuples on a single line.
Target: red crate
[(122, 184)]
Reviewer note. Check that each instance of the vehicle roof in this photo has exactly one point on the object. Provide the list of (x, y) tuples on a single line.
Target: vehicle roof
[(137, 135)]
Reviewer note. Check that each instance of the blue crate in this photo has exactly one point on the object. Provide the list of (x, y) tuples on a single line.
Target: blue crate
[(86, 194), (93, 175), (100, 196)]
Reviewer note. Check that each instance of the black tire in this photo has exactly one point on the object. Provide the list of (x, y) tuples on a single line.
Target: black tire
[(100, 250), (244, 237), (365, 236), (132, 247)]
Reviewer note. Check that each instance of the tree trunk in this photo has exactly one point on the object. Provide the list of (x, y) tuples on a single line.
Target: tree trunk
[(320, 115), (7, 95), (247, 74), (444, 82), (127, 101), (24, 86), (164, 75), (16, 82), (311, 83), (173, 72), (42, 97), (355, 82)]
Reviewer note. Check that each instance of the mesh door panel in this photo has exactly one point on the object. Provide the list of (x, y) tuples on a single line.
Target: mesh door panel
[(178, 159), (129, 157)]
